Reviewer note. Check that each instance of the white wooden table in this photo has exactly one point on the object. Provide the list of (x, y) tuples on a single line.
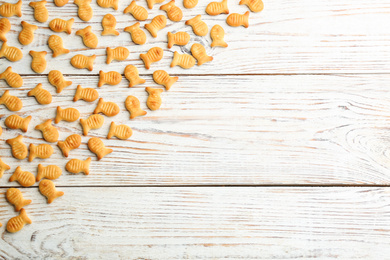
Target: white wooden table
[(279, 148)]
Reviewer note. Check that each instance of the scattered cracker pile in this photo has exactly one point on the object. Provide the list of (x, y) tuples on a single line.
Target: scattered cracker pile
[(45, 174)]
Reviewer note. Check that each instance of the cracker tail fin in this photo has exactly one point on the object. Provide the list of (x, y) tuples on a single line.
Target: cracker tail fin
[(175, 59), (13, 176), (78, 93), (31, 155), (91, 60), (3, 48), (58, 115), (98, 107), (40, 172), (25, 124), (225, 7), (109, 55), (146, 61), (246, 19), (83, 123), (19, 8), (101, 78), (86, 166), (69, 25), (170, 40), (172, 80), (112, 130), (24, 216)]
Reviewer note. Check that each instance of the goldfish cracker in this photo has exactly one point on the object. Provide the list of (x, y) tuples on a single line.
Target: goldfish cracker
[(154, 99), (162, 77), (38, 63), (78, 166), (59, 25), (56, 45), (5, 27), (89, 38), (57, 80), (190, 3), (108, 4), (3, 167), (71, 142), (153, 2), (109, 23), (97, 146), (236, 20), (153, 55), (110, 78), (87, 94), (174, 13), (60, 3), (68, 114), (217, 34), (49, 132), (11, 102), (80, 61), (159, 22), (48, 189), (137, 35), (17, 122), (185, 61), (254, 5), (50, 172), (15, 197), (18, 148), (41, 95), (85, 11), (133, 105), (40, 11), (16, 224), (179, 38), (8, 10), (92, 122), (198, 26), (119, 54), (132, 75), (199, 53), (138, 12), (42, 151), (122, 132), (10, 53), (13, 79), (26, 35), (216, 8), (107, 108), (26, 179)]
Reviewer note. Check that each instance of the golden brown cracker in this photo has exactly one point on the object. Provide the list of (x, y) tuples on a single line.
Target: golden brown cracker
[(56, 45), (133, 105), (162, 77), (153, 55), (87, 94), (154, 99), (48, 189), (26, 179), (120, 131), (15, 197), (159, 22), (42, 96), (17, 122), (68, 114), (137, 35), (92, 122), (16, 224), (49, 132), (12, 103), (71, 142), (97, 146), (38, 63), (107, 108), (42, 151), (132, 75), (185, 61)]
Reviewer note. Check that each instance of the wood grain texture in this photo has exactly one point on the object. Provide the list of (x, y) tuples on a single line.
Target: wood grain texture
[(286, 37), (227, 130), (203, 223)]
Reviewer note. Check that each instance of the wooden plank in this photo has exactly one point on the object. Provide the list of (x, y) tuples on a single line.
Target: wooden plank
[(203, 223), (287, 37), (228, 130)]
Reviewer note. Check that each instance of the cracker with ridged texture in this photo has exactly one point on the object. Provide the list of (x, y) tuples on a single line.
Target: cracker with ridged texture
[(138, 12), (198, 26), (154, 99), (132, 75), (17, 122), (84, 11), (60, 3), (60, 25), (254, 5), (137, 35), (69, 114), (199, 53), (92, 122), (87, 94), (155, 54), (17, 223), (42, 151), (153, 2), (26, 35), (3, 167), (159, 22), (174, 13), (162, 77), (56, 78), (10, 53), (217, 34), (133, 105), (8, 9), (71, 142), (38, 63), (18, 148), (185, 61), (13, 79), (50, 172), (107, 108), (48, 189), (122, 132), (97, 146), (40, 11), (26, 179), (15, 197), (56, 45), (236, 20), (111, 78), (108, 24), (179, 38), (190, 3), (49, 132), (12, 103), (216, 8), (119, 54), (108, 4), (5, 27), (89, 38), (78, 166), (80, 61), (42, 96)]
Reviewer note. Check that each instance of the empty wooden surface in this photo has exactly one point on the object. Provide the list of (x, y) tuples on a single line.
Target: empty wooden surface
[(300, 98)]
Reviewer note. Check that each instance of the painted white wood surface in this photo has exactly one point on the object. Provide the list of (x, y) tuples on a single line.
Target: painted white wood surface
[(203, 223), (308, 129), (286, 37)]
